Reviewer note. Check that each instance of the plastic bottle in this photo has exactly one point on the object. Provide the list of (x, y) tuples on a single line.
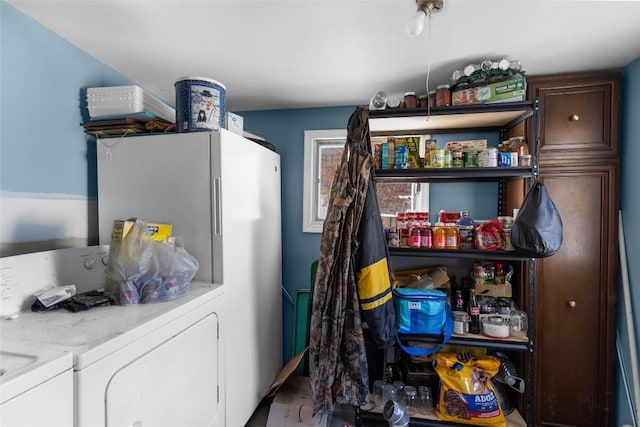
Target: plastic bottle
[(474, 312), (499, 273), (393, 236), (426, 235), (416, 232), (466, 230), (459, 301), (403, 230), (439, 236), (452, 236)]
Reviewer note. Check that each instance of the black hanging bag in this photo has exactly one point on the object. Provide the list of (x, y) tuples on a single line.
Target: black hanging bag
[(537, 229)]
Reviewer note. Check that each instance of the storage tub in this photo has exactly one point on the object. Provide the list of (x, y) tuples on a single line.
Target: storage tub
[(200, 104)]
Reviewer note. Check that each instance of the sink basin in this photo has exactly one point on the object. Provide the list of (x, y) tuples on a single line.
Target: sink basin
[(10, 361)]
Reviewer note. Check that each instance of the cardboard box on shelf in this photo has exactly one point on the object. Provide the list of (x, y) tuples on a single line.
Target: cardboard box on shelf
[(507, 91), (121, 228), (235, 123), (494, 290)]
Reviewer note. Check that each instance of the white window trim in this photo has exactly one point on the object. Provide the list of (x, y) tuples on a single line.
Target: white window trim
[(312, 141)]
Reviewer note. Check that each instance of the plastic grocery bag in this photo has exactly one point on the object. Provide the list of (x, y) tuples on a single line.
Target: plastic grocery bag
[(142, 270), (537, 229)]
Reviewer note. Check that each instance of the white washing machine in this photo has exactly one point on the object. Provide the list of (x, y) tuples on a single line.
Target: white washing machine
[(158, 364)]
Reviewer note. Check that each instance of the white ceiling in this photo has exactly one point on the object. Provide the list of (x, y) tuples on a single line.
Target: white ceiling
[(273, 54)]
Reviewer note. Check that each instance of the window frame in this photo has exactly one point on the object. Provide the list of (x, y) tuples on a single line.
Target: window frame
[(313, 140)]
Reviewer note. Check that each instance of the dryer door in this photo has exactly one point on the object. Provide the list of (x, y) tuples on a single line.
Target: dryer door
[(175, 384)]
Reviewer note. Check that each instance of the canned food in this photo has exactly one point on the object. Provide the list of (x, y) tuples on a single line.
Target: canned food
[(470, 159), (448, 159), (458, 162), (437, 158), (492, 158), (505, 159)]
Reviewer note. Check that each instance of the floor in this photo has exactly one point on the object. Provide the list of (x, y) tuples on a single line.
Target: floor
[(343, 416)]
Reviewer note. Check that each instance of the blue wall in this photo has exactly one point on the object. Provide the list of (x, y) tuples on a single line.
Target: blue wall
[(630, 206), (44, 148), (47, 164)]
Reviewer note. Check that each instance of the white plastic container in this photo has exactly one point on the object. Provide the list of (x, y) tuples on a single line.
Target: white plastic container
[(200, 104)]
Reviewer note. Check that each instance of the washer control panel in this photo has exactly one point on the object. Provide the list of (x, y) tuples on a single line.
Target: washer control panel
[(23, 275)]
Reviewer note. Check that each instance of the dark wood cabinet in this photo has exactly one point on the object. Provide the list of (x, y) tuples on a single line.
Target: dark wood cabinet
[(579, 115), (577, 288)]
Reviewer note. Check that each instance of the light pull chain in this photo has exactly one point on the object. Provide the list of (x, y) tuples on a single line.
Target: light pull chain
[(429, 16)]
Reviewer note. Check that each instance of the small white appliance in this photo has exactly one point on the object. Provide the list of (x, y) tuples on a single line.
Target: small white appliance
[(221, 193)]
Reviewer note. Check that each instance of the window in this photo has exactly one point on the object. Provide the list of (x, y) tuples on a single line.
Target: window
[(322, 155)]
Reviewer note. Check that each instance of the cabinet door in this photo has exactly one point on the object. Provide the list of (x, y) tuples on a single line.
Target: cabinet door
[(579, 115), (575, 331)]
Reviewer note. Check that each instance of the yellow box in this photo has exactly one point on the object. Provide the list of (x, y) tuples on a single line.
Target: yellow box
[(121, 228)]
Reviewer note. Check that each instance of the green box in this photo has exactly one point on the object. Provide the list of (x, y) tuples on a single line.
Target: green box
[(507, 91)]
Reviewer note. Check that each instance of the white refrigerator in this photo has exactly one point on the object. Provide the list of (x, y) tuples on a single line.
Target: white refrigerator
[(221, 192)]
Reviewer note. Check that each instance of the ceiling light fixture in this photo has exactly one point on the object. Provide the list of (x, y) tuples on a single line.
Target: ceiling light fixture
[(425, 8)]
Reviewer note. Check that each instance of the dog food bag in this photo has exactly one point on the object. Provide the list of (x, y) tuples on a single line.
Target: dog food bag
[(466, 393)]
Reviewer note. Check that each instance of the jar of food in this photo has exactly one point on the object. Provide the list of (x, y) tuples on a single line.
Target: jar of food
[(410, 100), (461, 321), (519, 145), (525, 160), (452, 236), (443, 96), (439, 236), (432, 98), (506, 222), (423, 101)]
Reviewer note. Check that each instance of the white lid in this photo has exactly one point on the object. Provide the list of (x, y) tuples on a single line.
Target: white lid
[(204, 79)]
